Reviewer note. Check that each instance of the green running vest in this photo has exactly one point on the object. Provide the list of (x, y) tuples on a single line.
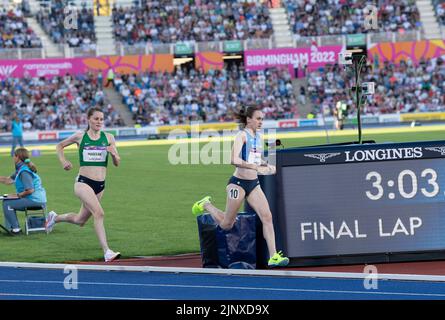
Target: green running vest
[(93, 152)]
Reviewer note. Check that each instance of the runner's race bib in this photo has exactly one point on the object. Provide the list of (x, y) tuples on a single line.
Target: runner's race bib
[(95, 154), (254, 157)]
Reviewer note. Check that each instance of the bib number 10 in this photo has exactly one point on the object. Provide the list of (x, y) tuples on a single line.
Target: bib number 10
[(234, 193), (407, 185)]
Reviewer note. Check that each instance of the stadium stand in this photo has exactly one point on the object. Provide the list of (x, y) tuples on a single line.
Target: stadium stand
[(328, 17), (205, 20), (191, 95), (399, 88), (26, 8), (439, 6), (59, 103), (15, 32), (52, 18)]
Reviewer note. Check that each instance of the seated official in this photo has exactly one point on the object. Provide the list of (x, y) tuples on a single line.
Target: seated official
[(29, 189)]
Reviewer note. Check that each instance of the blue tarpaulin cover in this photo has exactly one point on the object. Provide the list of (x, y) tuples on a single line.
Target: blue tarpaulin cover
[(233, 249)]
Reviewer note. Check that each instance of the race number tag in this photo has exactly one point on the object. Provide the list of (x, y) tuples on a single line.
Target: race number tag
[(233, 193), (254, 158), (94, 154)]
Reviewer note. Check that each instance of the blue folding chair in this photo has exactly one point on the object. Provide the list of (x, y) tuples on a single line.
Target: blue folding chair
[(34, 218)]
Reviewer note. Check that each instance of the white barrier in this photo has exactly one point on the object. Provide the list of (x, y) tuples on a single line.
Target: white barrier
[(315, 123)]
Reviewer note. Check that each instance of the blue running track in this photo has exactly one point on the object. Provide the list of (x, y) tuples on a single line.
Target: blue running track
[(21, 283)]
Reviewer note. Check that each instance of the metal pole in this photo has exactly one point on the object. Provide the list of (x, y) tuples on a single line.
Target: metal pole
[(325, 125), (357, 97)]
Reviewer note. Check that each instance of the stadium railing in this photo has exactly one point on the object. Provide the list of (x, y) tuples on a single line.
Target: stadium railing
[(414, 35), (218, 46), (258, 44), (20, 53), (81, 52), (123, 49), (210, 46), (332, 40)]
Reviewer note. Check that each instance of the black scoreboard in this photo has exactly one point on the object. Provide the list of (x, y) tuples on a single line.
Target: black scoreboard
[(359, 203)]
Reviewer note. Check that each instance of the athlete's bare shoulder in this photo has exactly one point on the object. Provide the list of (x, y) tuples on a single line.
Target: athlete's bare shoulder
[(109, 136), (74, 138), (241, 135)]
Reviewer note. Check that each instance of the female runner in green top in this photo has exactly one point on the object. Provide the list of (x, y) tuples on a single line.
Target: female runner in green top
[(94, 148)]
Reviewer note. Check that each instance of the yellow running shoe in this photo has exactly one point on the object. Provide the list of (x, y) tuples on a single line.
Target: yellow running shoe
[(198, 207), (278, 260)]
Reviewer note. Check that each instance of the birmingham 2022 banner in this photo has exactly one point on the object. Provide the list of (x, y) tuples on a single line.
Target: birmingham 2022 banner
[(315, 57), (59, 67), (312, 57)]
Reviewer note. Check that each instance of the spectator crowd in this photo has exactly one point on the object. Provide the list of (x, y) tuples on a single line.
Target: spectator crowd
[(398, 88), (191, 95), (14, 30), (50, 104), (67, 24), (169, 21), (330, 17), (439, 6)]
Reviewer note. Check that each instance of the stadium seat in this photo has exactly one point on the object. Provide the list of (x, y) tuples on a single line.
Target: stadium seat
[(35, 218)]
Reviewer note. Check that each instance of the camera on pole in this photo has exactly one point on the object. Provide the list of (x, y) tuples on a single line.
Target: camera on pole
[(366, 88), (355, 56)]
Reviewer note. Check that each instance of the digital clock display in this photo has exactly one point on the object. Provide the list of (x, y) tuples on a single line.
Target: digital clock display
[(346, 201)]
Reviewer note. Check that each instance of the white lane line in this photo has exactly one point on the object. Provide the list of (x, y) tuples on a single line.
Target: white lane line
[(229, 272), (3, 294), (230, 288)]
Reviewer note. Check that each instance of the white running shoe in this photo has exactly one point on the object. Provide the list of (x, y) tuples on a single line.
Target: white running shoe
[(50, 221), (110, 255)]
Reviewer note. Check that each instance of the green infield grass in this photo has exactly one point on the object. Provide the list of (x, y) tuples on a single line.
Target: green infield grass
[(147, 200)]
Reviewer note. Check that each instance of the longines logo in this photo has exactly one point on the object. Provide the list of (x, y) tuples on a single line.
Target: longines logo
[(383, 154), (437, 149), (322, 156), (377, 154)]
